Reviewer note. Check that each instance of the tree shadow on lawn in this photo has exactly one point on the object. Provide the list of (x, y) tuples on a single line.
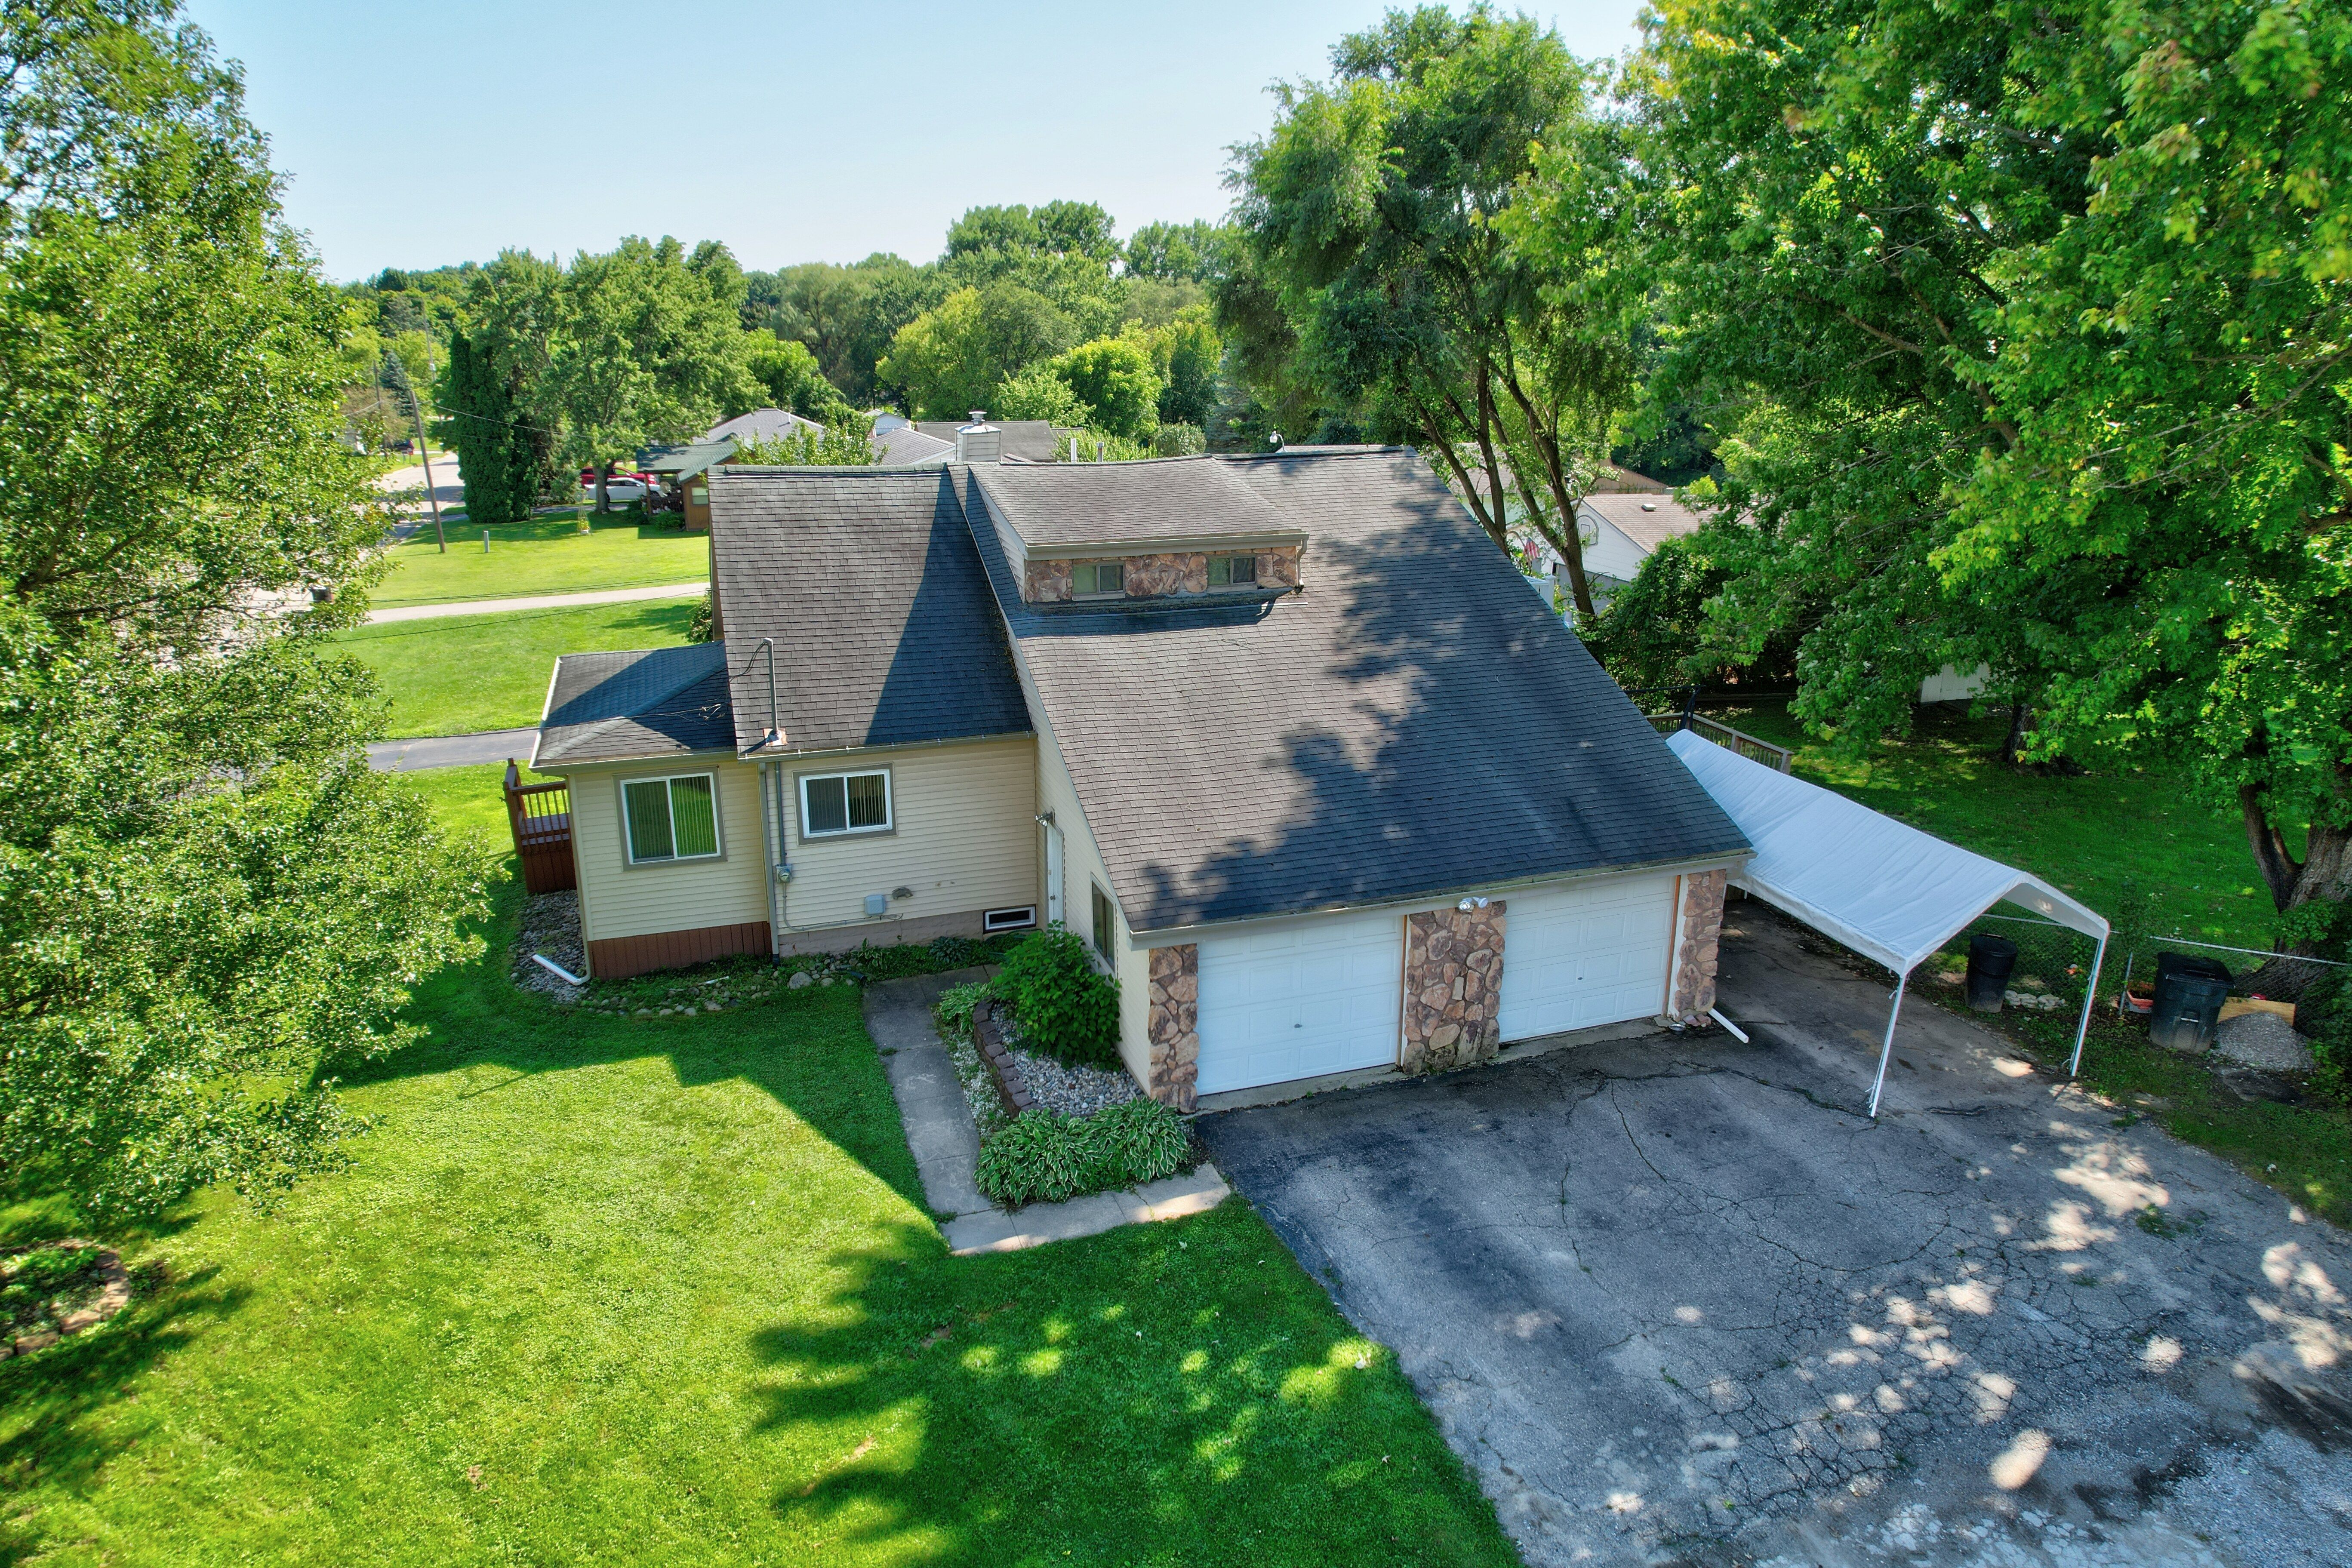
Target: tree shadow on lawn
[(68, 1412), (1175, 1393)]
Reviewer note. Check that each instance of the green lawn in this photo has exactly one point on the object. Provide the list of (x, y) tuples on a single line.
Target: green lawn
[(2103, 837), (603, 1292), (548, 554), (470, 673)]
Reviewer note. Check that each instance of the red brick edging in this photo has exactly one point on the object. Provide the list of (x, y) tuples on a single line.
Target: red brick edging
[(1001, 1067)]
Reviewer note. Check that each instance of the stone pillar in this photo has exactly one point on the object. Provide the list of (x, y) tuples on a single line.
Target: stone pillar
[(1452, 986), (1173, 1025), (1695, 946)]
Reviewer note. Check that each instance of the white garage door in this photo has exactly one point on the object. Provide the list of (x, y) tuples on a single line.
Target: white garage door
[(1583, 954), (1323, 995)]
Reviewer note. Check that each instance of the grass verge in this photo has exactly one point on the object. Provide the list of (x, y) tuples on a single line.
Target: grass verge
[(472, 673), (626, 1292), (547, 554)]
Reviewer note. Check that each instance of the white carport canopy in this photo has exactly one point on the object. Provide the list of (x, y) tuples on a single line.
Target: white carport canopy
[(1881, 887)]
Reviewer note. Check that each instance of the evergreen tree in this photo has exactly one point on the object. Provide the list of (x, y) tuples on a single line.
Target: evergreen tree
[(480, 425)]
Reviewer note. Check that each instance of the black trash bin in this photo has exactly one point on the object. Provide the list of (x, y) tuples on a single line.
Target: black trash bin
[(2189, 996), (1992, 960)]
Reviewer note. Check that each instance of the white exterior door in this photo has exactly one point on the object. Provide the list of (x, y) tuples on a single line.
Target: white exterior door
[(1321, 996), (1578, 955)]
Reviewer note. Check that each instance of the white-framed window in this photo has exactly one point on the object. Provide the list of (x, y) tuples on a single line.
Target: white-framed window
[(1090, 578), (673, 819), (833, 804), (1105, 919), (1232, 570), (1014, 919)]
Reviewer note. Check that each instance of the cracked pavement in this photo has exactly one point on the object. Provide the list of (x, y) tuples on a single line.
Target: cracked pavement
[(1675, 1299)]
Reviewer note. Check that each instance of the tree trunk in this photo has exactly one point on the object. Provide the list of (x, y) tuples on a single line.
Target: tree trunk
[(2012, 747), (1571, 544), (603, 473), (2323, 875)]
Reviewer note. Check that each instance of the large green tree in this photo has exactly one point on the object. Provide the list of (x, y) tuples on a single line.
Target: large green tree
[(1381, 283), (649, 348), (207, 899), (948, 359), (2029, 327)]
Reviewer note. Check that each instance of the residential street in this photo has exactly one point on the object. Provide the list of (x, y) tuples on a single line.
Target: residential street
[(450, 750), (1678, 1298)]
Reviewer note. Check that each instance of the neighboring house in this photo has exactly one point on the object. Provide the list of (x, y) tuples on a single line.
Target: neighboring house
[(1281, 736), (1025, 440), (763, 424), (1618, 529), (904, 447), (686, 469)]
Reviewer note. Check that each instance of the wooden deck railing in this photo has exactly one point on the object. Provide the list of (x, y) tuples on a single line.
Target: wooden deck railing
[(541, 818), (1723, 734)]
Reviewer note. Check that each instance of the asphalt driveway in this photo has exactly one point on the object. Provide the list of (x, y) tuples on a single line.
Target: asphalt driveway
[(1675, 1299)]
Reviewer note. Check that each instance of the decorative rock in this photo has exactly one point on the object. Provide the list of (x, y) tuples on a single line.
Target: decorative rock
[(1172, 1025), (2264, 1040), (1453, 986), (799, 977), (26, 1344)]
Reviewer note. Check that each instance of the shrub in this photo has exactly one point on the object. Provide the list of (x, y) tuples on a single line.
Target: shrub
[(1043, 1155), (1068, 1010), (952, 1012)]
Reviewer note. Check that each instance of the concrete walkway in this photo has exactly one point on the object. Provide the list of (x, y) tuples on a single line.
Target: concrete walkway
[(539, 602), (947, 1146), (449, 751)]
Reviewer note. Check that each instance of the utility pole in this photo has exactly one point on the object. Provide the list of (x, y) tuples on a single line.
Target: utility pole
[(417, 413)]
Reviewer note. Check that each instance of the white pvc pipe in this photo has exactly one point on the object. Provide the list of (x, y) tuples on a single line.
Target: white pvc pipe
[(1886, 1051), (1737, 1032), (558, 970), (2091, 995)]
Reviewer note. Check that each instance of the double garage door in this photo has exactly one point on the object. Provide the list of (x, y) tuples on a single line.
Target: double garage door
[(1326, 995)]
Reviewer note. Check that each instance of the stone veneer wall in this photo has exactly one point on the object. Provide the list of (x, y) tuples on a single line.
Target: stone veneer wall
[(1694, 952), (1156, 576), (1173, 1025), (1453, 987), (1048, 581)]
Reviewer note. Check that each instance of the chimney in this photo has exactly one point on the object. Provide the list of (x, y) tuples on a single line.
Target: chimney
[(979, 441)]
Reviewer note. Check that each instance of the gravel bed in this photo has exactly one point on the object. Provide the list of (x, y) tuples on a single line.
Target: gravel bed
[(551, 925), (1072, 1090), (2265, 1040)]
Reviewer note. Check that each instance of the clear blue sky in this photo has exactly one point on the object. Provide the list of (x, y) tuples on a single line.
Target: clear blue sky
[(425, 133)]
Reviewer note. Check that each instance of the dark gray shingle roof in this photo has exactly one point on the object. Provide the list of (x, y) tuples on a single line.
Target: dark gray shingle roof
[(1066, 504), (906, 447), (762, 425), (1413, 722), (885, 630), (649, 703)]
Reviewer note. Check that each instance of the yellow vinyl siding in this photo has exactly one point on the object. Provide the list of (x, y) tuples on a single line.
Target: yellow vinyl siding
[(963, 836), (1082, 871), (619, 900)]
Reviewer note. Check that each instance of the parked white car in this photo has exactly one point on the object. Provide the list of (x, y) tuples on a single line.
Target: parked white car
[(621, 491)]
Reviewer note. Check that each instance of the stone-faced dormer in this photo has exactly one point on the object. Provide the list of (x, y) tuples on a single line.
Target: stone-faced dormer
[(1168, 529)]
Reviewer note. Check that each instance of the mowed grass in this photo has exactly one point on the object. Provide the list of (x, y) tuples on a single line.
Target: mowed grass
[(468, 672), (547, 554), (663, 1292), (2100, 835)]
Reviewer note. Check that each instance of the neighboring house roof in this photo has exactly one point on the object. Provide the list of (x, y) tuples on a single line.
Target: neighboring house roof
[(1031, 440), (762, 425), (1159, 500), (686, 462), (613, 707), (1647, 519), (885, 633), (1411, 722), (904, 447), (1618, 480)]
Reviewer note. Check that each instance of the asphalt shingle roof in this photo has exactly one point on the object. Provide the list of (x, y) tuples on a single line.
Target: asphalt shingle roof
[(1099, 503), (904, 447), (1649, 520), (1031, 440), (762, 425), (649, 703), (1411, 722), (886, 633)]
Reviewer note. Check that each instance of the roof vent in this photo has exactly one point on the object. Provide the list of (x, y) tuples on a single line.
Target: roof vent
[(1648, 505)]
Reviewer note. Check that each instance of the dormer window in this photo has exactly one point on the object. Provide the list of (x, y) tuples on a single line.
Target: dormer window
[(1093, 578), (1232, 570)]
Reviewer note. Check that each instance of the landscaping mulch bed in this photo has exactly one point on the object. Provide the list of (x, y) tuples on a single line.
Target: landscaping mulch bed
[(551, 925)]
